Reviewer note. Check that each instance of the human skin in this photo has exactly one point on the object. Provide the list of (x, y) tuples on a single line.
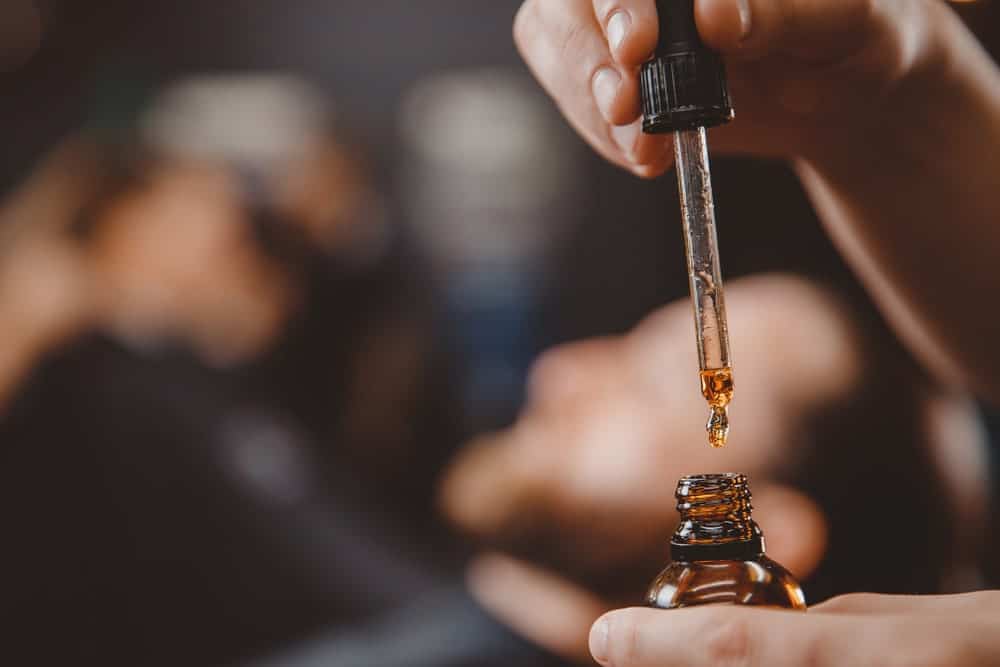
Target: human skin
[(46, 291), (864, 98), (861, 630), (889, 112)]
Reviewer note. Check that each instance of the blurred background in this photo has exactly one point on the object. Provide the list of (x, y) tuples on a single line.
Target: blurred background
[(312, 310)]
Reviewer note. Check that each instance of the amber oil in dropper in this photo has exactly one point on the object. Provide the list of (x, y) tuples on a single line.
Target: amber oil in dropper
[(717, 388), (684, 91)]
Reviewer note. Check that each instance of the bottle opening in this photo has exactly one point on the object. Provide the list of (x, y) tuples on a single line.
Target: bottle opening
[(719, 497), (716, 521)]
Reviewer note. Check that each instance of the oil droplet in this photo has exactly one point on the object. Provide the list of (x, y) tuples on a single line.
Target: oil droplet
[(718, 428), (717, 388)]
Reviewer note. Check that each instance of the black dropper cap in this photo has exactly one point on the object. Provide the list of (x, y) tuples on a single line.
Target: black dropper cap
[(684, 86)]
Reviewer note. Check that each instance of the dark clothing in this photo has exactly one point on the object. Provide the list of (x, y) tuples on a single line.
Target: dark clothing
[(158, 512), (157, 507), (161, 512)]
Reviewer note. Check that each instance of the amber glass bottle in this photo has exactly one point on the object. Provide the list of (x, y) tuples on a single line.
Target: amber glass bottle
[(718, 552)]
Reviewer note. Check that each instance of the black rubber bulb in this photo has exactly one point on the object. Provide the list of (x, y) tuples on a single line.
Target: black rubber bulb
[(684, 85)]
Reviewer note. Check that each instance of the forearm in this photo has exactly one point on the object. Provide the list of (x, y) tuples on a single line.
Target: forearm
[(19, 355), (913, 202), (28, 340)]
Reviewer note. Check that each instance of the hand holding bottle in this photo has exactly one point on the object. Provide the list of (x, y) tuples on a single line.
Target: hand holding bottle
[(862, 96), (857, 630)]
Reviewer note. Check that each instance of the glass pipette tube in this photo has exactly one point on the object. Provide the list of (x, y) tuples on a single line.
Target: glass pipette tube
[(694, 179)]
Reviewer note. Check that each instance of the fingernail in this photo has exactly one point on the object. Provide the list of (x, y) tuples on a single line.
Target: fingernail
[(625, 137), (606, 84), (618, 26), (746, 19), (599, 640)]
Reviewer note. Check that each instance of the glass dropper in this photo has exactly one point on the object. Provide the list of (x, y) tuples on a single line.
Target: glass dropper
[(684, 91), (694, 180)]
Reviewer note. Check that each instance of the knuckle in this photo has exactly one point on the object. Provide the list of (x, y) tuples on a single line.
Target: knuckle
[(603, 9), (907, 649), (864, 12), (572, 41), (572, 369), (728, 644), (548, 369), (891, 29), (817, 653), (567, 32), (523, 22), (550, 35)]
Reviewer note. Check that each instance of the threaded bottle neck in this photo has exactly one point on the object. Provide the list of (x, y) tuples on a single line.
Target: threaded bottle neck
[(716, 521)]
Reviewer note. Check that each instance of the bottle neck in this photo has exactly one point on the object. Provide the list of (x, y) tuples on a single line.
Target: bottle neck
[(716, 521)]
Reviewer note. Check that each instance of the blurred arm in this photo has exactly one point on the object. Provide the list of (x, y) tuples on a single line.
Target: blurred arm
[(44, 301), (44, 284), (18, 356)]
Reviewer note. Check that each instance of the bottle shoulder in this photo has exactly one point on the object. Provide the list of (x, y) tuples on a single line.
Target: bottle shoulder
[(760, 581)]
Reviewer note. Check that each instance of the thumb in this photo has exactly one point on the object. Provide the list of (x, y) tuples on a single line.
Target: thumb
[(794, 526)]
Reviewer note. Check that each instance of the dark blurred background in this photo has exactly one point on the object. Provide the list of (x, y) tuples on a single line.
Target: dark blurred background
[(223, 447)]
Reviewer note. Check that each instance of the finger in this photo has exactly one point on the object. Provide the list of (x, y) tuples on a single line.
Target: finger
[(566, 48), (764, 92), (575, 370), (538, 605), (734, 635), (698, 636), (492, 486), (987, 602), (795, 528), (815, 30), (631, 29)]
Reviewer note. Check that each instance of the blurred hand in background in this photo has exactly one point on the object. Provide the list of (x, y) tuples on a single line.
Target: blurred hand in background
[(584, 481), (47, 294)]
